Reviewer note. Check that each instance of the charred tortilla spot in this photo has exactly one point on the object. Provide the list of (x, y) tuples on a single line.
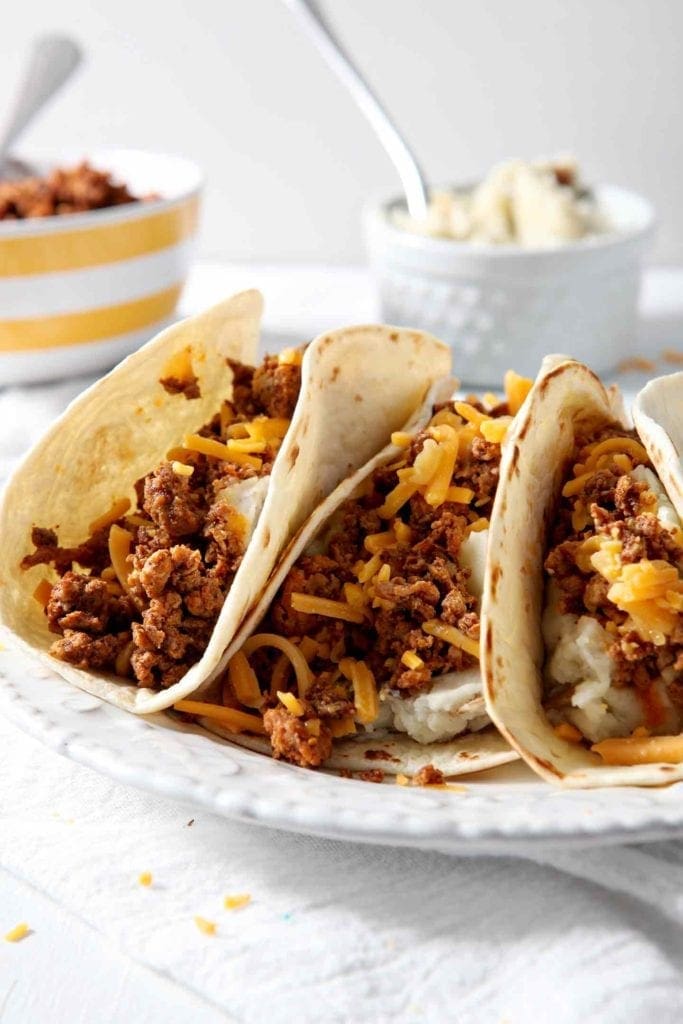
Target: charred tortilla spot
[(294, 454), (358, 398), (393, 336), (496, 574), (547, 766), (266, 537), (335, 373), (380, 755)]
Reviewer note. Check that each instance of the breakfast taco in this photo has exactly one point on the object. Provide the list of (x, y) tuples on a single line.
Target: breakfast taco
[(582, 622), (363, 654), (140, 531)]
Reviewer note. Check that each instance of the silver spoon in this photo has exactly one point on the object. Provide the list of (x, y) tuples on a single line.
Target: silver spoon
[(53, 60), (401, 155)]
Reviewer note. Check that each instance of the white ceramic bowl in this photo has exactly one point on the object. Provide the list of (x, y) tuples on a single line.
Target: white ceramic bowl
[(80, 291), (502, 306)]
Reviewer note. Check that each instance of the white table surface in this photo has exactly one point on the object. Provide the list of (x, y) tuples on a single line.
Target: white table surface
[(374, 935)]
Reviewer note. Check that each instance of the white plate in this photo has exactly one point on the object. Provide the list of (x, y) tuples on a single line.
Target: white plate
[(506, 810), (503, 811)]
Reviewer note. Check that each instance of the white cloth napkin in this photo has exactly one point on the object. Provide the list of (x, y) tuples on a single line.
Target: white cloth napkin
[(344, 932), (335, 932)]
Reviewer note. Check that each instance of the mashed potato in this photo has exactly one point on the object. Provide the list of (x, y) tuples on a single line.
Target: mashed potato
[(454, 702), (578, 646), (527, 204)]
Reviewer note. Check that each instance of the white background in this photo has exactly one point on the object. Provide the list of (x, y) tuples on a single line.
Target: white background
[(236, 85)]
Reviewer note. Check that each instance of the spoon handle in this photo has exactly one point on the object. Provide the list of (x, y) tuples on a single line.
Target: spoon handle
[(53, 59), (388, 134)]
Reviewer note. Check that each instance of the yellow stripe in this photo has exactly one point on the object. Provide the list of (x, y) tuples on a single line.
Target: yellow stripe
[(91, 247), (94, 324)]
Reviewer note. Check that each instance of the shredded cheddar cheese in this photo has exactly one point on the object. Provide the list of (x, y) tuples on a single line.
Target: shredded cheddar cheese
[(233, 719), (366, 570), (118, 509), (470, 414), (265, 428), (243, 681), (402, 532), (250, 445), (342, 726), (206, 927), (355, 595), (145, 878), (376, 542), (292, 703), (641, 750), (309, 646), (568, 732), (309, 604), (364, 689), (218, 450), (576, 485), (477, 526), (19, 932), (516, 390), (182, 468), (237, 902), (452, 635), (178, 454), (438, 486), (400, 439), (649, 591), (495, 430), (291, 357), (402, 493), (615, 445), (411, 660), (463, 495)]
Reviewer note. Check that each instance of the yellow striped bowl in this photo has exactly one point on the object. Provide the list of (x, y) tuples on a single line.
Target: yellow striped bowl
[(78, 292)]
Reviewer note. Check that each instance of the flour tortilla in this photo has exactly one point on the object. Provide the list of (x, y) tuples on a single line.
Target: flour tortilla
[(357, 385), (658, 415), (566, 397), (390, 751)]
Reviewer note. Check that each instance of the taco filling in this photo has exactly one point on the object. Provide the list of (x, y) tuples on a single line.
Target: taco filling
[(376, 624), (141, 594), (613, 621)]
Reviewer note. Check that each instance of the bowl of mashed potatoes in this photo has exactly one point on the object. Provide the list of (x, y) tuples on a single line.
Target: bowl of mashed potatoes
[(528, 261)]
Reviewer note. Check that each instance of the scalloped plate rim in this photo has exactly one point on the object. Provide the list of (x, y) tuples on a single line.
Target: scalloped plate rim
[(499, 817)]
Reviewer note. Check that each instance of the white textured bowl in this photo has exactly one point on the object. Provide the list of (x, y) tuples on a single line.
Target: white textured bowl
[(80, 291), (502, 306)]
